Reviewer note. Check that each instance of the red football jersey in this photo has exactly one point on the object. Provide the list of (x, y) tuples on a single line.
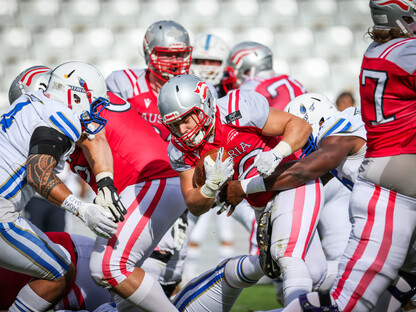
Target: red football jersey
[(139, 153), (388, 97), (278, 90), (239, 120), (133, 85)]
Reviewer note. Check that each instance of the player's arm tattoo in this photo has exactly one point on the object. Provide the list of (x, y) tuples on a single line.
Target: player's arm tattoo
[(40, 175)]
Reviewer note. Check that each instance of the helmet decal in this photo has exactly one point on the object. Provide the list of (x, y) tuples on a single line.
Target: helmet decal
[(302, 109), (69, 75), (236, 58), (201, 89), (403, 6)]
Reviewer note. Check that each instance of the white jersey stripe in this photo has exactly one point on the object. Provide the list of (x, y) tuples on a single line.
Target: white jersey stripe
[(133, 81)]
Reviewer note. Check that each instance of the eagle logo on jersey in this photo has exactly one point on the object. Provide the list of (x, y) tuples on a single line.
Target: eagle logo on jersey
[(404, 5), (147, 102), (202, 89)]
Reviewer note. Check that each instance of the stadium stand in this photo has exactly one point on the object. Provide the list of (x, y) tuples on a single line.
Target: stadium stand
[(314, 40)]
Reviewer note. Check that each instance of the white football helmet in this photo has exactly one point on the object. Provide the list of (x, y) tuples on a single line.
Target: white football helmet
[(246, 60), (82, 88), (162, 41), (314, 108), (213, 48), (389, 14), (31, 79), (181, 96)]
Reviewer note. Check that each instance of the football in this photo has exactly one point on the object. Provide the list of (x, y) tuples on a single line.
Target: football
[(199, 176)]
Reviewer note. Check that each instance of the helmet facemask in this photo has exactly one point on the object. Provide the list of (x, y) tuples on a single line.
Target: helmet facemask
[(68, 85), (208, 72), (162, 66), (209, 57), (229, 81), (188, 110), (195, 137), (167, 50)]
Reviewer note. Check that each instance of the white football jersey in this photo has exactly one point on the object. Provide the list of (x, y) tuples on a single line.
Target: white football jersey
[(345, 123), (17, 125)]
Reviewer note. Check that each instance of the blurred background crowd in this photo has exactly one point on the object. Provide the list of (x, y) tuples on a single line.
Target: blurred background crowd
[(320, 42)]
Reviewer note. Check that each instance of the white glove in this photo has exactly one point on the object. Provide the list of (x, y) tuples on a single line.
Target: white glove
[(107, 196), (217, 173), (96, 217), (266, 162)]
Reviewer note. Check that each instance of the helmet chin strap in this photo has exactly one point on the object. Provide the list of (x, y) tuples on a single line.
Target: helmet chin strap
[(402, 28)]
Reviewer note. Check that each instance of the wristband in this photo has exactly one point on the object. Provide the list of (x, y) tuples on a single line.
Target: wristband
[(102, 175), (283, 148), (207, 191), (253, 185), (72, 204)]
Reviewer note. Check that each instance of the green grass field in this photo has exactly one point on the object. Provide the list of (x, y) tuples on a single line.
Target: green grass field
[(257, 297)]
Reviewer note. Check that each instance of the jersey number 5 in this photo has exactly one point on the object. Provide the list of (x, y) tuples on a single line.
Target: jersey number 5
[(380, 78)]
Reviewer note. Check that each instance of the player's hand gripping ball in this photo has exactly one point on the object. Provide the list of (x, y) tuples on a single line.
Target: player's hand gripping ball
[(199, 176)]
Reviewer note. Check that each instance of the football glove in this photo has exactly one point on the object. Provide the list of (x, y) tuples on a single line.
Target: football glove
[(266, 162), (217, 173), (107, 197), (96, 217)]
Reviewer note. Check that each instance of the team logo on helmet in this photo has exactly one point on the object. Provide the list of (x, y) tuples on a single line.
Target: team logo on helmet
[(302, 109), (81, 82), (69, 75), (404, 5), (236, 58), (201, 89)]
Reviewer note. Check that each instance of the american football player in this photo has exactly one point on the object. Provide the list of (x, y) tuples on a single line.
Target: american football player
[(209, 58), (243, 123), (250, 67), (383, 201), (149, 189), (39, 132), (82, 294), (167, 52)]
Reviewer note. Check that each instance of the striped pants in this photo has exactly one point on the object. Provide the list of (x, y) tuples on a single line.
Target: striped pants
[(383, 222)]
